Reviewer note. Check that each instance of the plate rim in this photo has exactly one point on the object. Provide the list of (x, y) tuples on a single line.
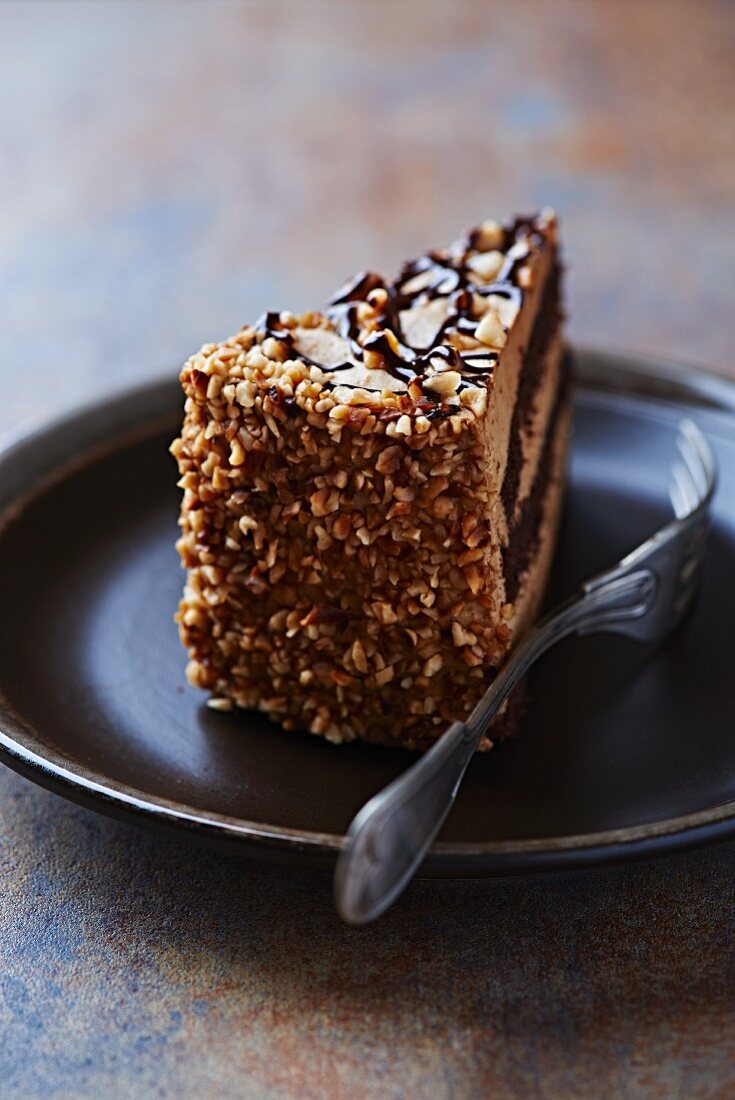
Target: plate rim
[(148, 405)]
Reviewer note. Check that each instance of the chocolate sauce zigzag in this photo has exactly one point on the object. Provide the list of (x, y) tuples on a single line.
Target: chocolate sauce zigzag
[(442, 273)]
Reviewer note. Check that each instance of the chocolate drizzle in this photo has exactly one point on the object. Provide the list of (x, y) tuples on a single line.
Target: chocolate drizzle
[(357, 288), (439, 274)]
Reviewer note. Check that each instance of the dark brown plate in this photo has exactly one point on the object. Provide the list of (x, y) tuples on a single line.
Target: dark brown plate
[(623, 753)]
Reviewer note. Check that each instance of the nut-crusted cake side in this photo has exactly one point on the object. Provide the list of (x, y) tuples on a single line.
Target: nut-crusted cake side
[(371, 493)]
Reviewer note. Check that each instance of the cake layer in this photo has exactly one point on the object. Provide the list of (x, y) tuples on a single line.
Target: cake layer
[(344, 523)]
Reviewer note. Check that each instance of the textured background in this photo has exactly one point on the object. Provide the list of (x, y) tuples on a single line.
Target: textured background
[(168, 171)]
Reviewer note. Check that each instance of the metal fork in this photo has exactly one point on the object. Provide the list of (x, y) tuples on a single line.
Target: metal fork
[(644, 596)]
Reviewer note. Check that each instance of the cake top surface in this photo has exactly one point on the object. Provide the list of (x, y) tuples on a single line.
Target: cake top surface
[(449, 311), (430, 339)]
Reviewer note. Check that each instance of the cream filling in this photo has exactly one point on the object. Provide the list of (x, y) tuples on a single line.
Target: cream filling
[(534, 580), (496, 428), (534, 433), (504, 390)]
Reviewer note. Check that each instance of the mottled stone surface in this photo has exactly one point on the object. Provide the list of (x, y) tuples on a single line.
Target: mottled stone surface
[(169, 170), (134, 967)]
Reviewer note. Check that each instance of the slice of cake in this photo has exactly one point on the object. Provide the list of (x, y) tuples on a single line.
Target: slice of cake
[(371, 493)]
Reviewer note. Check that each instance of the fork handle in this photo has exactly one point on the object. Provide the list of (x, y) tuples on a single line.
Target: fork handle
[(390, 836)]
